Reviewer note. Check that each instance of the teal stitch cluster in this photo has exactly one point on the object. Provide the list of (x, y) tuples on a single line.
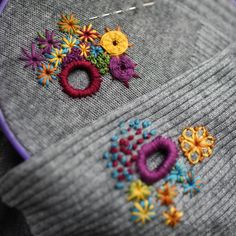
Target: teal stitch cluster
[(101, 62)]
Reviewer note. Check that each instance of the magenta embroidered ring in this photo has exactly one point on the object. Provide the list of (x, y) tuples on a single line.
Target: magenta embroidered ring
[(164, 145), (94, 75)]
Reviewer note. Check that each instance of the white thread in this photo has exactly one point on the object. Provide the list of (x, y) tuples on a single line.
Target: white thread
[(148, 4)]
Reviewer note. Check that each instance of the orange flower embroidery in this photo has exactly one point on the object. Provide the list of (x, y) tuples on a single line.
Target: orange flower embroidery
[(173, 216), (166, 194), (68, 24), (196, 143)]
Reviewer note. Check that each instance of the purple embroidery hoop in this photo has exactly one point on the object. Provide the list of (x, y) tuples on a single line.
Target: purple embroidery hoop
[(158, 144)]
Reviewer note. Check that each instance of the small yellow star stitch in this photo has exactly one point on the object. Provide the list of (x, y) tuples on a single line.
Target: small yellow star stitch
[(142, 212), (138, 191), (196, 144), (166, 194), (173, 216), (114, 42)]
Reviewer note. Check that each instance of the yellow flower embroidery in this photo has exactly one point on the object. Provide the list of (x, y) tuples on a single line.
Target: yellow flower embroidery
[(166, 194), (142, 212), (196, 143), (84, 49), (68, 24), (56, 56), (69, 42), (138, 191), (114, 42), (173, 216)]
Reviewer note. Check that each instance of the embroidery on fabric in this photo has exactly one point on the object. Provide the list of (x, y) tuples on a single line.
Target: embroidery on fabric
[(164, 145), (80, 45), (131, 146), (196, 144)]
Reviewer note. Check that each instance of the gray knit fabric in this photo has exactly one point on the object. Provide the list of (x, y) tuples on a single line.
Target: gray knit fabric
[(67, 190), (12, 222), (188, 70), (169, 40)]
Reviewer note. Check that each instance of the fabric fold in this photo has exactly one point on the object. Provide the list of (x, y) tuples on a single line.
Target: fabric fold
[(66, 189)]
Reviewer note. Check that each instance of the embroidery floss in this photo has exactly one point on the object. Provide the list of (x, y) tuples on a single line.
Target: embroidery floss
[(114, 42), (158, 144), (173, 216), (196, 144), (32, 58), (68, 24), (192, 184), (69, 42), (122, 69), (46, 73), (47, 42), (166, 194), (88, 34), (138, 191), (142, 212), (95, 79)]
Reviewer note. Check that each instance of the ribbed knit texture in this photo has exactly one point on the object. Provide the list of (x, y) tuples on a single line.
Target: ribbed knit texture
[(66, 190), (168, 39), (188, 78)]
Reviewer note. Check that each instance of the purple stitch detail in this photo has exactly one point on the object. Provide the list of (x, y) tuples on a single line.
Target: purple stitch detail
[(122, 69), (34, 58), (47, 42), (73, 56), (159, 143)]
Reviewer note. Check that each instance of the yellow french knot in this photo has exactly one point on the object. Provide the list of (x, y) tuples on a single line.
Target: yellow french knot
[(114, 42)]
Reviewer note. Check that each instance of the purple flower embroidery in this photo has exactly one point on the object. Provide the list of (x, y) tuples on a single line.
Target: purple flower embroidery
[(47, 42), (73, 56), (33, 59), (122, 69)]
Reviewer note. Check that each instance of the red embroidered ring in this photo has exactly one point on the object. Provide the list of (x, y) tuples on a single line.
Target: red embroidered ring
[(94, 75)]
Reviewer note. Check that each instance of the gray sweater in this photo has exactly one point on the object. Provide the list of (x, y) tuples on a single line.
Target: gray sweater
[(186, 59)]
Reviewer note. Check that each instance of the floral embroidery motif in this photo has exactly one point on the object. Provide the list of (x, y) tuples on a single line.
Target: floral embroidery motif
[(192, 184), (196, 144), (122, 69), (79, 44), (88, 34), (84, 49), (56, 56), (173, 216), (114, 42), (166, 194), (142, 211), (48, 42), (33, 59), (138, 191), (68, 24), (123, 155), (46, 73), (69, 42)]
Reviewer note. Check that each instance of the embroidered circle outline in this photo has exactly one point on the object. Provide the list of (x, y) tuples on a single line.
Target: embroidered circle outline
[(159, 143), (94, 77)]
